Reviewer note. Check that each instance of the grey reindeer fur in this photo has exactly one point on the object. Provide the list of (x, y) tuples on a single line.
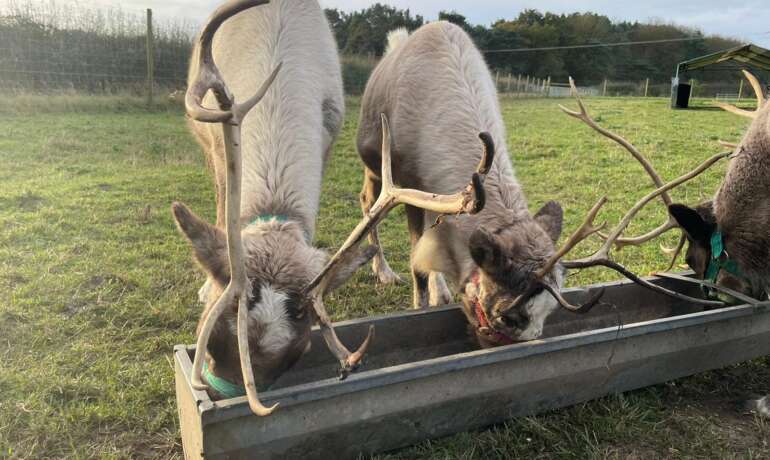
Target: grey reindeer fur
[(740, 210), (437, 92)]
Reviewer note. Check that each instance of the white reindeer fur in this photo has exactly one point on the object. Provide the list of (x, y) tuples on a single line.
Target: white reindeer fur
[(288, 135)]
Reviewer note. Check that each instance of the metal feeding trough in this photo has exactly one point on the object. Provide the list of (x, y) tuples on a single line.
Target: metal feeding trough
[(424, 378)]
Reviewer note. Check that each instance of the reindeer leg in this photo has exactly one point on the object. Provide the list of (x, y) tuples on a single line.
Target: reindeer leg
[(369, 194), (420, 286), (438, 291)]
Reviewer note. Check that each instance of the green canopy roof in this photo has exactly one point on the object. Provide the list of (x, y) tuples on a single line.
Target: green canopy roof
[(751, 55)]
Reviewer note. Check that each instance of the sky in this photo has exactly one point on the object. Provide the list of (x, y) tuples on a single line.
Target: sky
[(748, 20)]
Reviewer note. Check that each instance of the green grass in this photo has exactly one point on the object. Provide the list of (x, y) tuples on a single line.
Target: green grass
[(97, 286)]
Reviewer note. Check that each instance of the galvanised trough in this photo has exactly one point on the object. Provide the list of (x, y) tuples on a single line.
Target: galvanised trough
[(424, 378)]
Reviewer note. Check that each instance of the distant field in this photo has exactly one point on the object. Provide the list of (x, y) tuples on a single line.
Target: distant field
[(97, 285)]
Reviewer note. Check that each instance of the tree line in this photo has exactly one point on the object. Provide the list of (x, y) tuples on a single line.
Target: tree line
[(47, 46), (364, 32)]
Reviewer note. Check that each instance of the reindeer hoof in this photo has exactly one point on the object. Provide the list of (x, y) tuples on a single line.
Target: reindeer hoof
[(388, 276)]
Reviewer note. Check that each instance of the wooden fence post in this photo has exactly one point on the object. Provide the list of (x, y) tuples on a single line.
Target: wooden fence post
[(646, 86), (604, 91), (518, 84), (548, 87), (150, 59), (509, 83), (526, 85), (740, 90)]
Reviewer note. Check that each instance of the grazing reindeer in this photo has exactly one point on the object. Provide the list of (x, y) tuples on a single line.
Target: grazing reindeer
[(267, 281), (729, 236), (438, 92), (265, 258)]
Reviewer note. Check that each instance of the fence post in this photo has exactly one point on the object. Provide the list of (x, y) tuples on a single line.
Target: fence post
[(692, 87), (740, 90), (509, 82), (518, 84), (526, 85), (646, 87), (604, 91), (150, 59), (548, 87)]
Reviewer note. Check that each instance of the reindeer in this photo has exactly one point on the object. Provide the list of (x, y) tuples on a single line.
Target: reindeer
[(266, 280), (729, 236), (435, 87)]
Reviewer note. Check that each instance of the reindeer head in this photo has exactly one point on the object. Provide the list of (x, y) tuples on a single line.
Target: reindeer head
[(279, 265), (700, 228), (521, 274), (508, 256)]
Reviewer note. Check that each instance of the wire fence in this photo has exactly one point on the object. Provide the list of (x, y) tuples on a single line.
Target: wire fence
[(49, 47), (529, 86), (53, 48)]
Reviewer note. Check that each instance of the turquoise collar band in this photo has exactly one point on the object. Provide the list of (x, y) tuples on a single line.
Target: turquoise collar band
[(720, 259), (224, 387), (269, 218)]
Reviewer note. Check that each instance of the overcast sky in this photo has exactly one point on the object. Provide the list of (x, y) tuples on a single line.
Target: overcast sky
[(748, 20)]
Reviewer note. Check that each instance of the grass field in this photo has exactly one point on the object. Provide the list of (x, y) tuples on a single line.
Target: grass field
[(97, 286)]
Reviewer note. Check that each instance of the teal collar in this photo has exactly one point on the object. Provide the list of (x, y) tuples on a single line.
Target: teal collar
[(269, 218), (224, 387), (720, 259)]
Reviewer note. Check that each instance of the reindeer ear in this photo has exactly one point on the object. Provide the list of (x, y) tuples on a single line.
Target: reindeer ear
[(693, 223), (551, 218), (486, 251), (208, 242)]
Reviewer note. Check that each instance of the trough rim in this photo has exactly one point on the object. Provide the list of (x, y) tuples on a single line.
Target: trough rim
[(223, 410)]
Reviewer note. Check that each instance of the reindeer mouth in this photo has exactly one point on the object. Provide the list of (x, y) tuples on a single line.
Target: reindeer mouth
[(485, 329)]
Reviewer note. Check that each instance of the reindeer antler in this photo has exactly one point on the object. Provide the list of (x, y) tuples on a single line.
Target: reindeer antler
[(588, 228), (758, 91), (602, 256), (583, 115), (471, 200), (230, 115)]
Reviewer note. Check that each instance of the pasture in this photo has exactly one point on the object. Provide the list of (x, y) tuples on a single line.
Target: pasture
[(98, 286)]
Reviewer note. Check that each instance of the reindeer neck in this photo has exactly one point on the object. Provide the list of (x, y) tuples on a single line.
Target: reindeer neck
[(281, 179)]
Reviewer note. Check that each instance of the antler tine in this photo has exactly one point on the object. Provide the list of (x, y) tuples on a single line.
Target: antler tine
[(582, 308), (230, 115), (758, 91), (602, 256), (674, 253), (757, 86), (208, 76), (583, 115), (586, 229), (248, 372), (735, 110), (729, 145), (470, 200)]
